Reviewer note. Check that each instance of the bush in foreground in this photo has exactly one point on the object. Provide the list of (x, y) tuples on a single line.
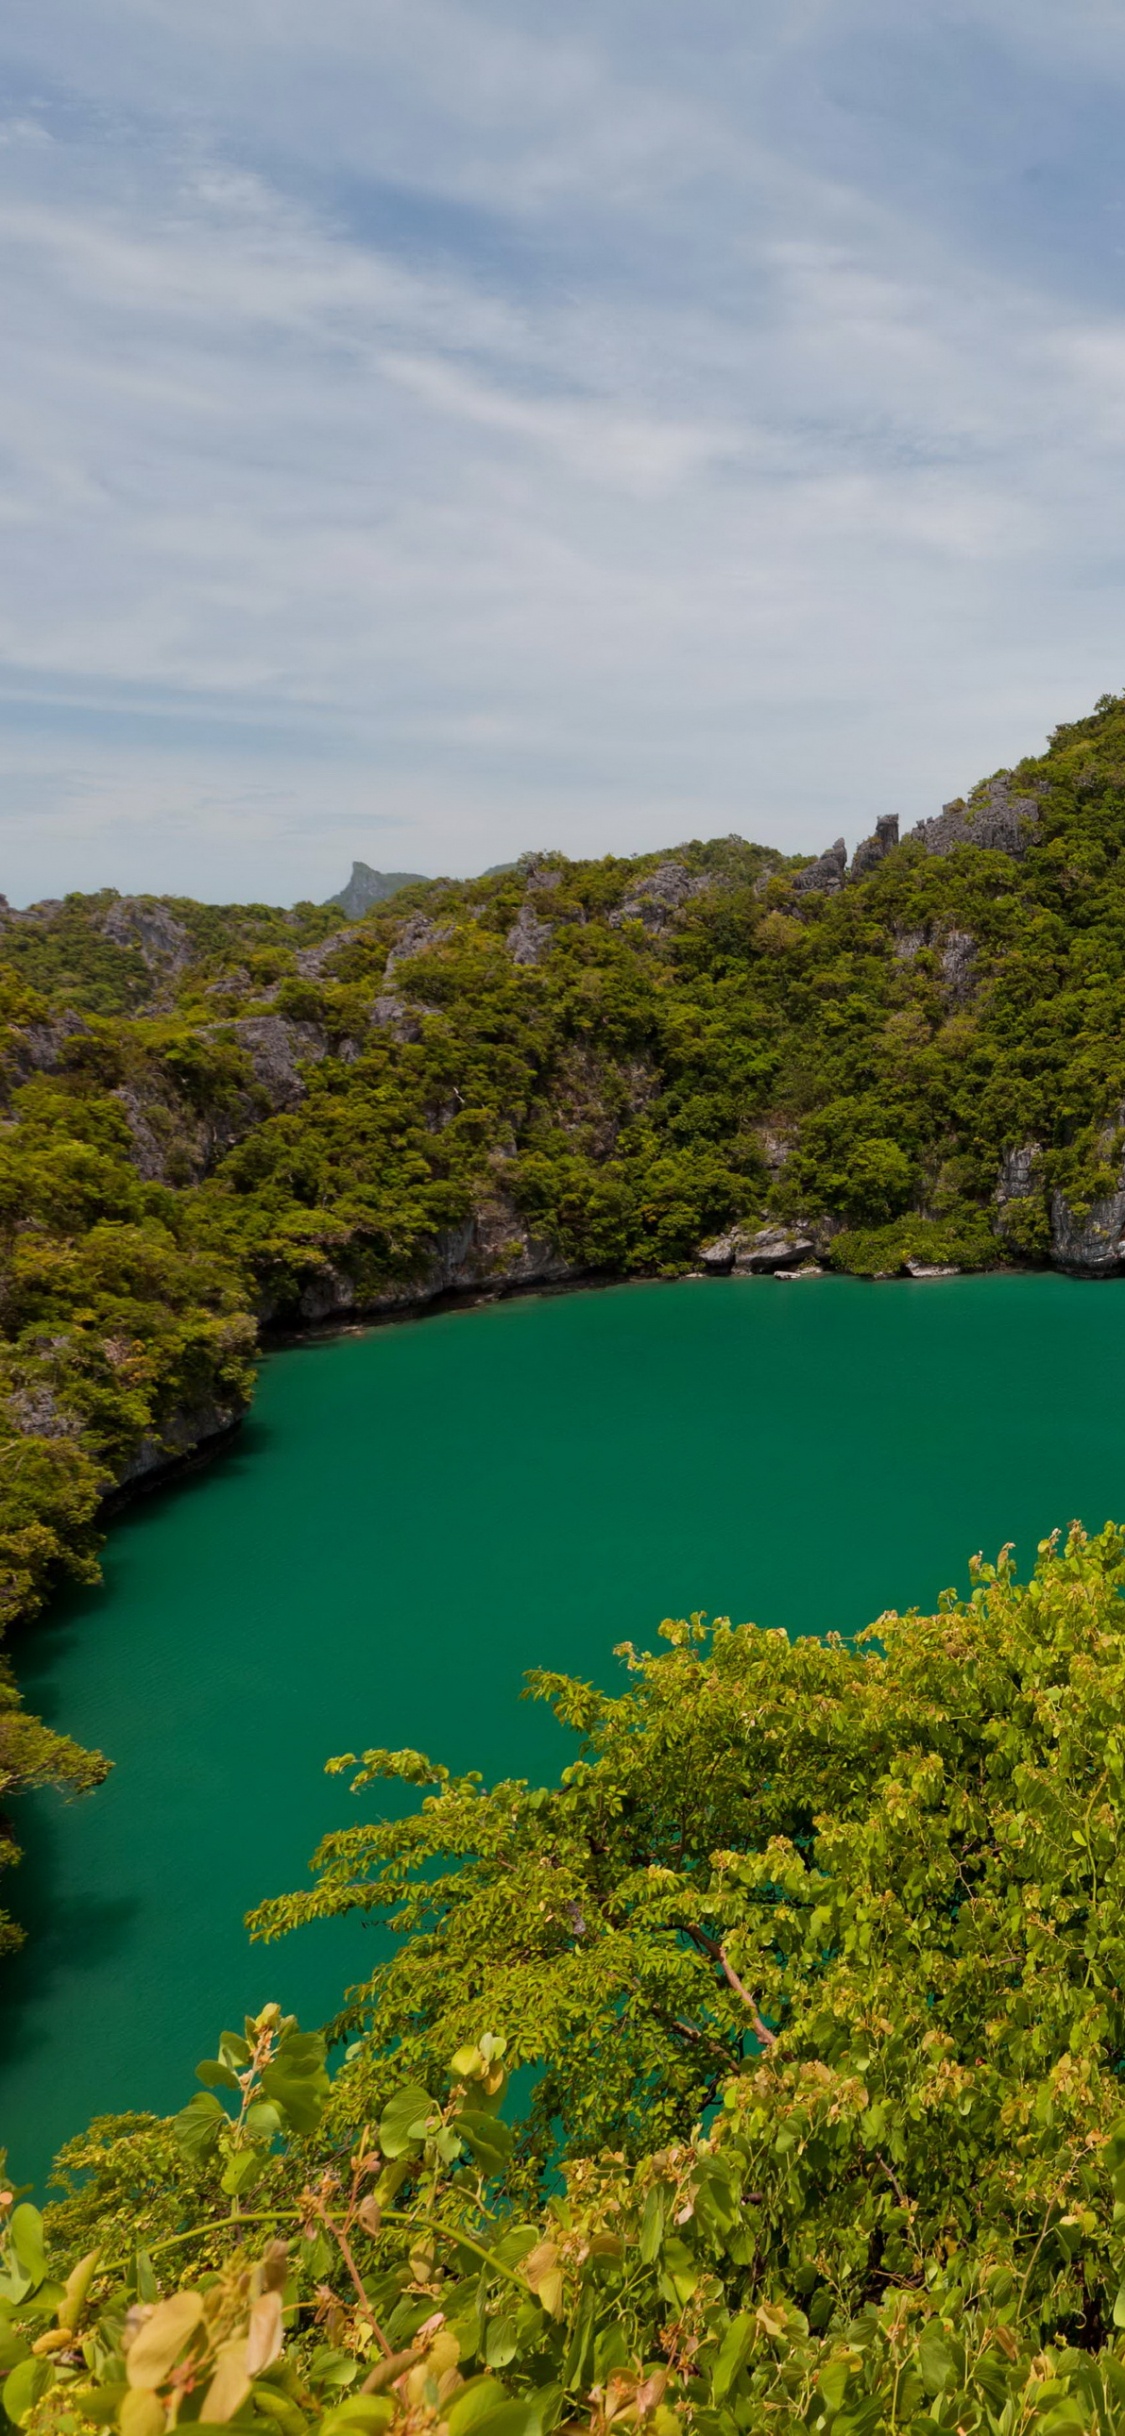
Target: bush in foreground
[(817, 1952)]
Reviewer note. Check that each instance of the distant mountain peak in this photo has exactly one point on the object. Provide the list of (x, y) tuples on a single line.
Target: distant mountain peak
[(367, 887)]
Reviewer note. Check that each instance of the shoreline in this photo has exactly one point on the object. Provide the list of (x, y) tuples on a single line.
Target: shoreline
[(475, 1298)]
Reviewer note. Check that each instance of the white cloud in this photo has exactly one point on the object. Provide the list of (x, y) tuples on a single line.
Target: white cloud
[(423, 416)]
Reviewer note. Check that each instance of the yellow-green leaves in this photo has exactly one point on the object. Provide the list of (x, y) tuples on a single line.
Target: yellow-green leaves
[(544, 2275), (410, 2118), (229, 2385), (160, 2338)]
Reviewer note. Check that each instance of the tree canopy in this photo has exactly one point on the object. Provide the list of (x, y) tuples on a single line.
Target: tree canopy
[(814, 1953)]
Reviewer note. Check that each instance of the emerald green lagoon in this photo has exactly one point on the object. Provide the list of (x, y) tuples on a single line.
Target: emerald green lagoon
[(415, 1514)]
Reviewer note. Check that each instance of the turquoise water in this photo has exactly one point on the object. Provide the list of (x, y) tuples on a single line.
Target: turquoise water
[(412, 1517)]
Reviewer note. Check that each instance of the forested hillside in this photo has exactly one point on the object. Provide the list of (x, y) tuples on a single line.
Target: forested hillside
[(223, 1119)]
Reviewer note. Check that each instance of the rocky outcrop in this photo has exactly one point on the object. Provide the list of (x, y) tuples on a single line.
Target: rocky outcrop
[(656, 899), (367, 887), (34, 1411), (958, 967), (311, 961), (871, 853), (1092, 1246), (492, 1249), (1020, 1172), (187, 1436), (44, 1048), (392, 1014), (996, 819), (529, 939), (826, 875), (275, 1044), (143, 923), (417, 934), (1087, 1244), (757, 1252)]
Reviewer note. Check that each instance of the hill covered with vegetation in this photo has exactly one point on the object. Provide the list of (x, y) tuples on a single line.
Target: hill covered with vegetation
[(223, 1120)]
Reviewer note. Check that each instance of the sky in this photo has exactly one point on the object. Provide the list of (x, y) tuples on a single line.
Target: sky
[(436, 429)]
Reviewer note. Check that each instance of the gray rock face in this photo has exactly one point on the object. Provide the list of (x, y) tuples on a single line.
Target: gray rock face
[(928, 1268), (826, 875), (958, 960), (329, 1295), (273, 1044), (758, 1252), (1019, 1172), (367, 887), (142, 923), (391, 1014), (40, 1048), (871, 852), (773, 1247), (654, 900), (311, 961), (1001, 820), (416, 935), (493, 1248), (717, 1258), (1093, 1246), (194, 1430), (34, 1412), (529, 938)]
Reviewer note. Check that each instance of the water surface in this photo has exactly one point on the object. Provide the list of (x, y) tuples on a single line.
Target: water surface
[(412, 1517)]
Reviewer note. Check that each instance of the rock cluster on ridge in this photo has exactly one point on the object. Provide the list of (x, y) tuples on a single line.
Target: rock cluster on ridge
[(995, 819)]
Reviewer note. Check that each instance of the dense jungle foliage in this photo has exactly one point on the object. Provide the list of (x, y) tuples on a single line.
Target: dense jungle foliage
[(219, 1118), (808, 1975)]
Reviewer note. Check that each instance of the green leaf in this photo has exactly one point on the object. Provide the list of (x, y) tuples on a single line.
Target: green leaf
[(478, 2401), (935, 2361), (101, 2403), (299, 2086), (331, 2367), (43, 2302), (234, 2051), (263, 2119), (501, 2341), (833, 2382), (652, 2225), (302, 2051), (241, 2170), (362, 2414), (487, 2140), (13, 2347), (734, 2351), (215, 2075), (27, 2242), (407, 2120), (197, 2127), (512, 2418), (26, 2385)]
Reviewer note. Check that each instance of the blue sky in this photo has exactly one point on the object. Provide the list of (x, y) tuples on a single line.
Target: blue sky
[(432, 428)]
